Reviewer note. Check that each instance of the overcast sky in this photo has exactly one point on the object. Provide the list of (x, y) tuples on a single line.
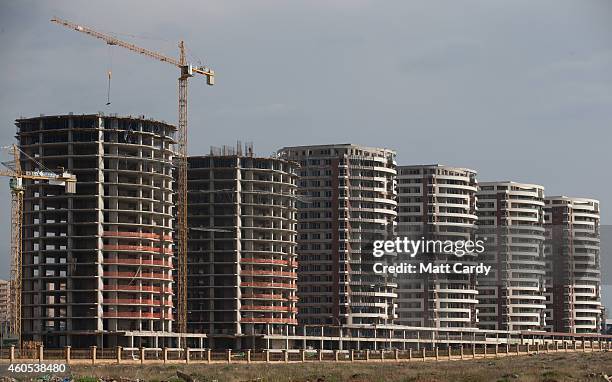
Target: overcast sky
[(518, 90)]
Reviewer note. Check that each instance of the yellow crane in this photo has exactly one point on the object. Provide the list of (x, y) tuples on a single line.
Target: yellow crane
[(17, 175), (185, 71)]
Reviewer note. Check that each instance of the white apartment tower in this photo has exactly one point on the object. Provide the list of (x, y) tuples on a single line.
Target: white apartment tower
[(511, 221), (573, 271), (437, 202)]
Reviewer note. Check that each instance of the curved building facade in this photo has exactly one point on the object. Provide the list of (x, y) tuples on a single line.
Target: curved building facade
[(347, 200), (99, 261), (511, 221), (436, 202), (242, 279), (573, 266)]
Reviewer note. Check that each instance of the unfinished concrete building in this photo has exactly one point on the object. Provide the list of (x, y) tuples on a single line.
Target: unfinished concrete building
[(5, 295), (437, 202), (242, 241), (347, 200), (98, 262), (511, 221), (573, 275)]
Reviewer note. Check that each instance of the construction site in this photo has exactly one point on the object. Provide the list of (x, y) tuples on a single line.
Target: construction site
[(121, 240)]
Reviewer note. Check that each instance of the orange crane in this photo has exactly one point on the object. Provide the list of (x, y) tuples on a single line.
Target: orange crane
[(17, 175), (186, 70)]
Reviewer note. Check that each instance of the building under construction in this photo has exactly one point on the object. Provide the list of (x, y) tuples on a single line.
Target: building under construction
[(98, 262), (242, 248), (573, 277)]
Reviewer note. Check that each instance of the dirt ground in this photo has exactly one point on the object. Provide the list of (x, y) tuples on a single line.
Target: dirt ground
[(543, 367)]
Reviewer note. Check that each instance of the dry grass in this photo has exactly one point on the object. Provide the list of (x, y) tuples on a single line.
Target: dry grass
[(543, 368)]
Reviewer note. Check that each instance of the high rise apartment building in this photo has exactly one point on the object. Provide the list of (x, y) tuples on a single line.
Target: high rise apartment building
[(347, 200), (97, 262), (573, 265), (511, 221), (436, 202), (242, 248)]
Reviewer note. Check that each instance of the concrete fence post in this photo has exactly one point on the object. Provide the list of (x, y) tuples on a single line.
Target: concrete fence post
[(450, 352), (423, 352), (303, 355), (547, 347), (41, 353), (410, 354), (67, 354), (208, 355), (496, 350), (118, 355), (583, 346), (187, 356), (507, 348), (248, 355), (267, 355), (286, 355), (367, 354), (518, 349), (484, 351), (352, 355), (93, 353), (436, 351), (396, 354), (336, 355), (320, 354), (556, 346), (528, 348), (382, 354), (165, 354), (12, 354), (228, 355), (461, 351), (473, 350), (565, 346), (142, 354)]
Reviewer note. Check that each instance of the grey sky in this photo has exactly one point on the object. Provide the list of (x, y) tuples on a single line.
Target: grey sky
[(518, 90)]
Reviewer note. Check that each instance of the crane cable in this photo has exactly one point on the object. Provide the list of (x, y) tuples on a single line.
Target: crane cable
[(110, 71)]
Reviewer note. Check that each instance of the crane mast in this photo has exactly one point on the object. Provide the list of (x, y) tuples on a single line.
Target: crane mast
[(186, 71)]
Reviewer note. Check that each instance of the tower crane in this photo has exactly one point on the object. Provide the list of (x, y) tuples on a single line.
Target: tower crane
[(185, 71), (17, 175)]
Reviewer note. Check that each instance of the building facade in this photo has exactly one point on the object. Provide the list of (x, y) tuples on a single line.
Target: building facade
[(242, 278), (347, 200), (5, 295), (99, 261), (437, 202), (573, 268), (511, 221)]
